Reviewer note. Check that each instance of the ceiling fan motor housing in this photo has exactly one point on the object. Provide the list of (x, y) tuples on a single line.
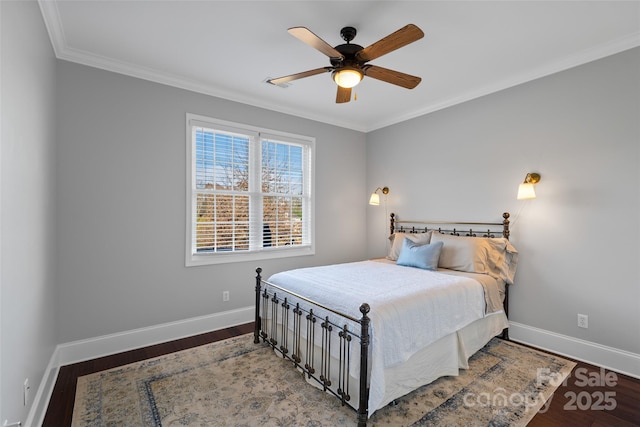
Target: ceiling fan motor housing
[(349, 51), (348, 33)]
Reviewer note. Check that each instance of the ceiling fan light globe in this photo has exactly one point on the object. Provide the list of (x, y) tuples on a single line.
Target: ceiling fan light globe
[(347, 77)]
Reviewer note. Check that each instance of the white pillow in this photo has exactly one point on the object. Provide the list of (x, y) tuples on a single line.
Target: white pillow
[(476, 255), (508, 268), (397, 238)]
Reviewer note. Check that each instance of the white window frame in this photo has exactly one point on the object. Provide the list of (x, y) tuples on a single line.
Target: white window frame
[(196, 259)]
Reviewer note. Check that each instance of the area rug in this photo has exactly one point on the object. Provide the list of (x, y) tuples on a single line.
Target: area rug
[(233, 383)]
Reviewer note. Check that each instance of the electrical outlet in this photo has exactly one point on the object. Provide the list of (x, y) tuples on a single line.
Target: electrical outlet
[(225, 296), (25, 392), (583, 321)]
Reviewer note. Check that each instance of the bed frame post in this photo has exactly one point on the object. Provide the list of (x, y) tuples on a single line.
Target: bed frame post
[(258, 323), (505, 234), (505, 225), (363, 409), (505, 331), (392, 222)]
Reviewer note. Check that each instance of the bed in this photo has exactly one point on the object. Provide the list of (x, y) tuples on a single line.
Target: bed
[(370, 332)]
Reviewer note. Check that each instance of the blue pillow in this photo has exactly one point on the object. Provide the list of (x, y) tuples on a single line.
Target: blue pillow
[(420, 256)]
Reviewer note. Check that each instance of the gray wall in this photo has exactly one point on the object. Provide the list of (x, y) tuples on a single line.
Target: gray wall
[(27, 291), (578, 240), (121, 203)]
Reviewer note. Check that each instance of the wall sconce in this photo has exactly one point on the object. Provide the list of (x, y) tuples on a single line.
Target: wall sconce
[(375, 197), (526, 190)]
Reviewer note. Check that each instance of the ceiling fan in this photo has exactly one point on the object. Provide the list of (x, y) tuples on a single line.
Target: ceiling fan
[(349, 61)]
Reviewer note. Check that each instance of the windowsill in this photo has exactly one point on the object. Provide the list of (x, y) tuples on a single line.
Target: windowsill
[(195, 260)]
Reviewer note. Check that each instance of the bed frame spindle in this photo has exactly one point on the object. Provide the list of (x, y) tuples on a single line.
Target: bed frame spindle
[(325, 359), (344, 365), (311, 339), (296, 334), (285, 331)]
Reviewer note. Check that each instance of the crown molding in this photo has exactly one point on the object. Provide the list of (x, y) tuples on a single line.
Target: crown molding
[(62, 51), (53, 23), (156, 76)]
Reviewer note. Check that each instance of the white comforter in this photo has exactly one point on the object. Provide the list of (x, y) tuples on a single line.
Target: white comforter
[(410, 307)]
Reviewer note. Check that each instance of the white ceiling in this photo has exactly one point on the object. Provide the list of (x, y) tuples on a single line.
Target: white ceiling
[(228, 48)]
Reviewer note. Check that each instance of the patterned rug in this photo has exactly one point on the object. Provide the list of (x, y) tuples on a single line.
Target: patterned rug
[(232, 383)]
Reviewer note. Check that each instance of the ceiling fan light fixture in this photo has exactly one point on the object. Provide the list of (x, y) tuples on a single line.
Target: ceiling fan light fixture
[(347, 77)]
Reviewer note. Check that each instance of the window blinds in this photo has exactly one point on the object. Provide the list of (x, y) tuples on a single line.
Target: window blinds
[(251, 191)]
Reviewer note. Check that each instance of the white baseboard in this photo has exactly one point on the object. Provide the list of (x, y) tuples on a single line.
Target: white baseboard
[(621, 361), (43, 395), (79, 351)]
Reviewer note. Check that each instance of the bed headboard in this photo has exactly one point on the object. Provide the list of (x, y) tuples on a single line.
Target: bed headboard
[(474, 229)]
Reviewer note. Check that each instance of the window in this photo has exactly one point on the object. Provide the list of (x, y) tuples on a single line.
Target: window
[(249, 193)]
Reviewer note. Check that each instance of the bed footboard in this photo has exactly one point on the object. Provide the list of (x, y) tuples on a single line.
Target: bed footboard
[(309, 340)]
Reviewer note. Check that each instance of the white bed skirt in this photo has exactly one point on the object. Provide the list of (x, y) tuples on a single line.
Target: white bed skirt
[(444, 357)]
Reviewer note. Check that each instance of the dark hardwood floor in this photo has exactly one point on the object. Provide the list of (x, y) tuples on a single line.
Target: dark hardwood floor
[(590, 397)]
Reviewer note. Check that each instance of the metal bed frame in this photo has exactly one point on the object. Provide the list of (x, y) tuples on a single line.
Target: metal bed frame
[(279, 323)]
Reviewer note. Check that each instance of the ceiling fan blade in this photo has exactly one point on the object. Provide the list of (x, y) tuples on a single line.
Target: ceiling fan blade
[(394, 77), (402, 37), (343, 95), (286, 79), (314, 41)]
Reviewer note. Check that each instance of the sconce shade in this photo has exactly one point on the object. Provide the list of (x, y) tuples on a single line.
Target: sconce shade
[(375, 197), (526, 190), (347, 77)]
